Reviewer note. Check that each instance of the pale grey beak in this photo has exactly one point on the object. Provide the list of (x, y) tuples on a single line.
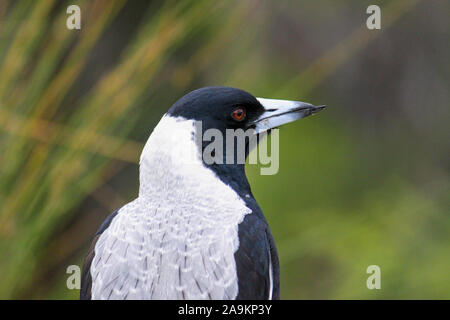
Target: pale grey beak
[(279, 112)]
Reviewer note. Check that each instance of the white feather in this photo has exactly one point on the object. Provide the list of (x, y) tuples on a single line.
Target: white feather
[(178, 238)]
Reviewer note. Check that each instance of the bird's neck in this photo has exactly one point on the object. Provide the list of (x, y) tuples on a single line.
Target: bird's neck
[(171, 162), (232, 175)]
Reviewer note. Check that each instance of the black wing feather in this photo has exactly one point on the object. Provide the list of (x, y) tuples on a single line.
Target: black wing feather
[(253, 258), (86, 279)]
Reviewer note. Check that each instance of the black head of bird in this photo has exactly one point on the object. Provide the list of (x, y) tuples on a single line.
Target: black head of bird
[(195, 231)]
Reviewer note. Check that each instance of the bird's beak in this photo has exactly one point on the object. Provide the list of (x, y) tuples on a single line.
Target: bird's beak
[(279, 112)]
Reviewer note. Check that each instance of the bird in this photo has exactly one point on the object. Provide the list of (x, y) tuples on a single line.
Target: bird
[(195, 230)]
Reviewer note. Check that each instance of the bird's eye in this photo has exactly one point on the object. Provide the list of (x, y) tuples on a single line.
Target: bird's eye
[(238, 114)]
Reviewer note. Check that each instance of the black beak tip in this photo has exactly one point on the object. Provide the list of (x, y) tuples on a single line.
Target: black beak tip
[(319, 108)]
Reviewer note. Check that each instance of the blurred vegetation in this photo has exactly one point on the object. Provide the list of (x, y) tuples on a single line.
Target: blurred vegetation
[(365, 182)]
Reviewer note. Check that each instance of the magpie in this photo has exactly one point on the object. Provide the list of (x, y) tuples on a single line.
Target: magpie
[(195, 231)]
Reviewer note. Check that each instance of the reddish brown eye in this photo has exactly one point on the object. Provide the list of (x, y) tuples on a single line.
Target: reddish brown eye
[(238, 114)]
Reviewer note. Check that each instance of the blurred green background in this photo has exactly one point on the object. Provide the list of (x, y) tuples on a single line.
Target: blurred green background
[(365, 182)]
